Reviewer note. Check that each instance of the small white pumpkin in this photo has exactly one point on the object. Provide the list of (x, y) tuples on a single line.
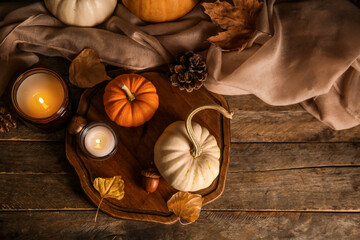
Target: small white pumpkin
[(187, 155), (84, 13)]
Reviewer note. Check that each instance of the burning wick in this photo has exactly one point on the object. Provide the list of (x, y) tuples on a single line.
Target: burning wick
[(45, 106), (98, 141)]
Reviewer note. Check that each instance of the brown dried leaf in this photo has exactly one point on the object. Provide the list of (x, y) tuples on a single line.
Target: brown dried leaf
[(238, 21), (86, 70), (109, 188), (185, 206), (6, 120)]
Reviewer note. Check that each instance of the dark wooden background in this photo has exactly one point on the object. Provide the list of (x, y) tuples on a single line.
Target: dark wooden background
[(290, 176)]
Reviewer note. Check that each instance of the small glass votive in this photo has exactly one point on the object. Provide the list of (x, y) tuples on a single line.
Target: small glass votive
[(98, 141), (40, 96)]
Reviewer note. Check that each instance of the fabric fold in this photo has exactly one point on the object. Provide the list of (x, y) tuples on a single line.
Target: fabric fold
[(304, 52)]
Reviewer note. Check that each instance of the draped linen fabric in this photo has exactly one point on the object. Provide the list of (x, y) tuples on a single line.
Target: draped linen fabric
[(304, 52)]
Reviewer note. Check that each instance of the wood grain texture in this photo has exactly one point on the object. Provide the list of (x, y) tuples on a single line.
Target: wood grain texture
[(18, 157), (282, 159), (314, 189), (318, 189), (24, 133), (255, 121), (286, 156), (262, 176), (33, 157), (42, 191), (210, 225)]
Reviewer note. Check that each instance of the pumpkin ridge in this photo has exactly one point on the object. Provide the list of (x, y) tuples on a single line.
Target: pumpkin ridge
[(134, 81), (153, 101), (115, 109), (120, 112), (114, 99), (209, 144), (182, 177), (148, 104), (144, 84), (137, 112), (146, 91)]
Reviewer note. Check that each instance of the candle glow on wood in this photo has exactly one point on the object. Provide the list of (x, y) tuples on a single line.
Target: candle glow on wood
[(99, 141), (40, 95)]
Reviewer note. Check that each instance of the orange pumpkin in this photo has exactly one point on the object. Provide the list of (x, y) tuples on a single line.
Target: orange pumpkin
[(159, 10), (130, 100)]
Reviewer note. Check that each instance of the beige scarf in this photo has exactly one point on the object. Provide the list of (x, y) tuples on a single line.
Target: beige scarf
[(303, 51)]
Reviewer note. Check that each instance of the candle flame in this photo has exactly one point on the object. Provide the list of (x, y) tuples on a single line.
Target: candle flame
[(98, 141), (43, 104)]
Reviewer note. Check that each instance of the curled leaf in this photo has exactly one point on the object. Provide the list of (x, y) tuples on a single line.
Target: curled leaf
[(238, 22), (109, 188), (185, 206), (86, 70)]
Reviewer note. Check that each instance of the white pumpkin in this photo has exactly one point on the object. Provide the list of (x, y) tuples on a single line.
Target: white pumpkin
[(84, 13), (187, 155)]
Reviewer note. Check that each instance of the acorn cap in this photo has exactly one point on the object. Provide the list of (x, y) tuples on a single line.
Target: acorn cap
[(150, 173), (76, 124)]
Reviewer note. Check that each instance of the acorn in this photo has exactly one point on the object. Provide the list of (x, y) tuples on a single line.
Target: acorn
[(77, 123), (150, 179)]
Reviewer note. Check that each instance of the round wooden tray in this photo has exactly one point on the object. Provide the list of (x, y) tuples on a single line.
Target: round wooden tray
[(136, 149)]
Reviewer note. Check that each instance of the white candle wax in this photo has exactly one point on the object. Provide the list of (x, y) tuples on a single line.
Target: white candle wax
[(99, 141), (40, 95)]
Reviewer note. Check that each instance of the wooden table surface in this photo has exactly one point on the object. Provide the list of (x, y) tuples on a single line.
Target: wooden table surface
[(290, 177)]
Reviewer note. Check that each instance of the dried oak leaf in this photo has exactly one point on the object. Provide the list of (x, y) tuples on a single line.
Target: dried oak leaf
[(185, 206), (238, 21), (6, 120), (86, 70), (109, 188)]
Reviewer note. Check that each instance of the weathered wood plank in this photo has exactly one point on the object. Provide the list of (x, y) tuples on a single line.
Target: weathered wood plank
[(277, 156), (253, 103), (320, 189), (255, 121), (49, 157), (210, 225), (313, 189), (33, 157), (24, 133), (41, 191)]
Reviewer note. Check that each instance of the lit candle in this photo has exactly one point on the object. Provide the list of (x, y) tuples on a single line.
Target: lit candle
[(98, 140), (40, 95)]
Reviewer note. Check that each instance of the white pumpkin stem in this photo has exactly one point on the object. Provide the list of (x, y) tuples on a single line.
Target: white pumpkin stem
[(196, 150), (129, 94)]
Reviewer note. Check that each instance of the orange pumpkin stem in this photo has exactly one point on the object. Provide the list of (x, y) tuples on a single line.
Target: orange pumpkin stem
[(129, 94)]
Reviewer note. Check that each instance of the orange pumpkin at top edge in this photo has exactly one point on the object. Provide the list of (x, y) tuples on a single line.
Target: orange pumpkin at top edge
[(129, 110), (159, 10)]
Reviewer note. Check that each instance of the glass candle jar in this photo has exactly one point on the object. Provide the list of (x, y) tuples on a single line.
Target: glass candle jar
[(41, 97), (98, 141)]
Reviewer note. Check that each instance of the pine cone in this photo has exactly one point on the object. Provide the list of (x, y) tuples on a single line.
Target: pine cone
[(6, 120), (188, 72)]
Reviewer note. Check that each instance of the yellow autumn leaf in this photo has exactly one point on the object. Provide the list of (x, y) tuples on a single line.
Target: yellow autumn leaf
[(109, 188), (87, 70), (185, 206)]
